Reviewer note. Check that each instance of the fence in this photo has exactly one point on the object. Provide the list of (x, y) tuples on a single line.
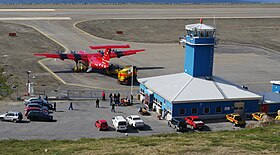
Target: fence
[(87, 94)]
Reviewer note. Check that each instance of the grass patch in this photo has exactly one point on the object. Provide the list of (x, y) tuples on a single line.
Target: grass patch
[(263, 140), (5, 90)]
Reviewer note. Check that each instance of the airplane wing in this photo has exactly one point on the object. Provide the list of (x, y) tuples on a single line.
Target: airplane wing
[(71, 56), (118, 54)]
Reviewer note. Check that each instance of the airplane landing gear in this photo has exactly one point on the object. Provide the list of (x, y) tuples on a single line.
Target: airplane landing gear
[(79, 67)]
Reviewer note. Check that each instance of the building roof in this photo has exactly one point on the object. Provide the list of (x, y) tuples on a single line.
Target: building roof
[(270, 97), (199, 26), (182, 88), (275, 82)]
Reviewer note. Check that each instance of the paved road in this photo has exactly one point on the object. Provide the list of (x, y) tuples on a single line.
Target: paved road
[(166, 56), (79, 123), (244, 65)]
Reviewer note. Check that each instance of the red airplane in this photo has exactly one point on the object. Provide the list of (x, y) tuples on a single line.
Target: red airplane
[(98, 60)]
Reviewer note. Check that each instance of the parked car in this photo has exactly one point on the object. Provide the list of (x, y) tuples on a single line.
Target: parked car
[(258, 115), (236, 119), (34, 100), (195, 122), (35, 107), (101, 124), (39, 116), (135, 121), (48, 105), (13, 116), (178, 124), (119, 123)]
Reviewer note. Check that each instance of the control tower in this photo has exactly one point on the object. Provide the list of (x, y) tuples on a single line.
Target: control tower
[(199, 55)]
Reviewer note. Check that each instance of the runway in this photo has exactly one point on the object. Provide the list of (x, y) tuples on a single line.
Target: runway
[(167, 56)]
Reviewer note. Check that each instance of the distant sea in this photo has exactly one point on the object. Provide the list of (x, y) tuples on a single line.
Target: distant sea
[(132, 1)]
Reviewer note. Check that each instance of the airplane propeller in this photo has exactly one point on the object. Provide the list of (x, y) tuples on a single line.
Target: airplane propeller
[(89, 69)]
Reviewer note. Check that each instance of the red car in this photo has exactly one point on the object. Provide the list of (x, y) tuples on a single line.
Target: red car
[(195, 122), (31, 109), (101, 124)]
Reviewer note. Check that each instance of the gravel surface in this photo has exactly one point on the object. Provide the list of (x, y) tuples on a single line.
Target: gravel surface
[(263, 32), (16, 56)]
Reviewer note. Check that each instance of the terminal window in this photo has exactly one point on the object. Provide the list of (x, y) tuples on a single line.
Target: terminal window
[(182, 111), (218, 109), (206, 110), (194, 110)]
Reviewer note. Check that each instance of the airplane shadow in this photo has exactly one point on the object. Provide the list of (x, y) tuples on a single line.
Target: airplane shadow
[(149, 68), (64, 71)]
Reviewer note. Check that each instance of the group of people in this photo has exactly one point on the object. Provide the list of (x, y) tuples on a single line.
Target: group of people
[(114, 100)]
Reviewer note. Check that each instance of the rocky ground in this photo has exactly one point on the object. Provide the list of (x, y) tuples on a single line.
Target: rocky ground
[(16, 57), (17, 52), (263, 32)]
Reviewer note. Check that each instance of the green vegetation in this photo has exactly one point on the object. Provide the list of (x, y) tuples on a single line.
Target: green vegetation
[(4, 88), (263, 140)]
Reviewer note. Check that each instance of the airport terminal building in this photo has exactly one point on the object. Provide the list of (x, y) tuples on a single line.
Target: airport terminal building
[(196, 91)]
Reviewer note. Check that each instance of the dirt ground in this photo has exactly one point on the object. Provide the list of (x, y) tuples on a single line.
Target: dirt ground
[(16, 57), (139, 6), (263, 32), (17, 52)]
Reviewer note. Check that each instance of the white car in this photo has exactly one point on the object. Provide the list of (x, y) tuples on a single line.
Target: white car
[(13, 116), (135, 121), (34, 100), (119, 123)]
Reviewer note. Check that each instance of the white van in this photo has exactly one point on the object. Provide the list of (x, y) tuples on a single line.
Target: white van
[(119, 123)]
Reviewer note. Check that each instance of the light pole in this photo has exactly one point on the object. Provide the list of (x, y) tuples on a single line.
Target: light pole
[(28, 73), (132, 70), (28, 83)]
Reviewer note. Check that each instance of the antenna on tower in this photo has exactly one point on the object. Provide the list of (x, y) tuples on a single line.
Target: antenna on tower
[(214, 22)]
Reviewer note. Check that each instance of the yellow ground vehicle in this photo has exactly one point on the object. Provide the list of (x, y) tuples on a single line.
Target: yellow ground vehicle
[(125, 75), (236, 119), (258, 115), (113, 70)]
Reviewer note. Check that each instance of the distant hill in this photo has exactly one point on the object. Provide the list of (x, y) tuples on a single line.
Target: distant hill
[(135, 1)]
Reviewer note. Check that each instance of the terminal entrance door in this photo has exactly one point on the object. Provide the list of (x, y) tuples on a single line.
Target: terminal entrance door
[(239, 108), (264, 108)]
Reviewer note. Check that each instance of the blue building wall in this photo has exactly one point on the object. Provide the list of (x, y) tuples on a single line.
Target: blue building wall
[(143, 87), (165, 104), (275, 88), (199, 56), (226, 107), (273, 108), (251, 106)]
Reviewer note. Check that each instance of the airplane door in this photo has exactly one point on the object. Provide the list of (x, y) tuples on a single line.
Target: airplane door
[(239, 108)]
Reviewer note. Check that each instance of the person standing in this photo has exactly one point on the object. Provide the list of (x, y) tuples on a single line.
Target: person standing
[(118, 98), (70, 106), (131, 99), (111, 100), (103, 95), (97, 103), (46, 98), (115, 99), (54, 106), (113, 108)]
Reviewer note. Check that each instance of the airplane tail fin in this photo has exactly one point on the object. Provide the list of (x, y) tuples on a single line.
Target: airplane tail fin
[(106, 57)]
